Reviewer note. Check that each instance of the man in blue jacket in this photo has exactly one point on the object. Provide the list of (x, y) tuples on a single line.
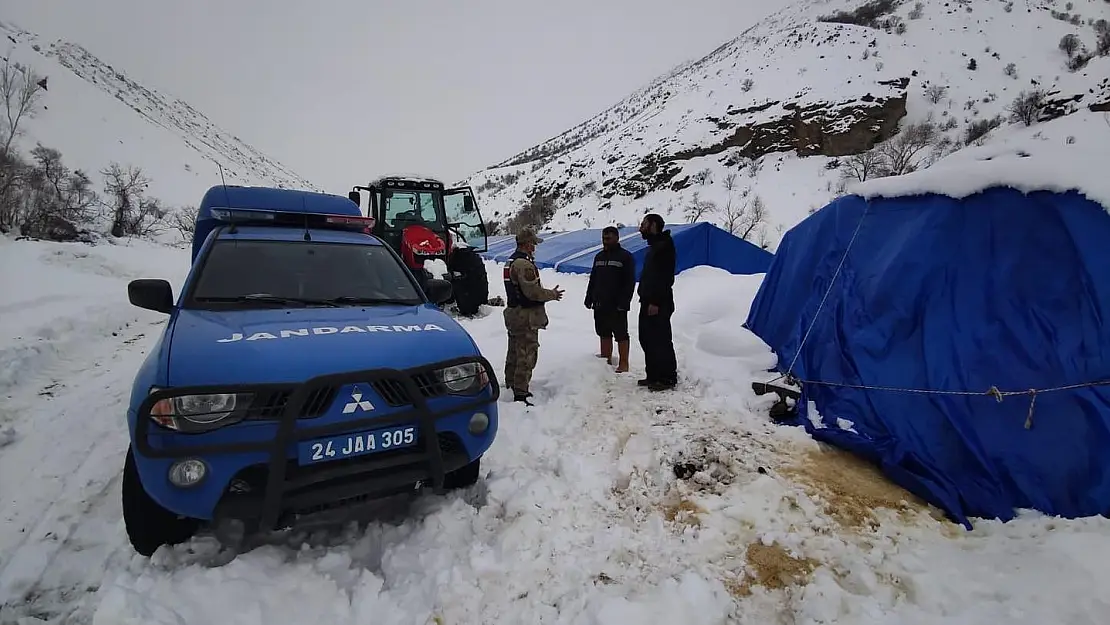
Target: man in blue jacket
[(609, 295), (657, 305)]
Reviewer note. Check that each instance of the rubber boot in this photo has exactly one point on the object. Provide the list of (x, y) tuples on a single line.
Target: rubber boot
[(606, 350), (622, 351)]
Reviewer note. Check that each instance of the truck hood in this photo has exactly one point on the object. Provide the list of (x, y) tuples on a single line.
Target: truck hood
[(291, 345)]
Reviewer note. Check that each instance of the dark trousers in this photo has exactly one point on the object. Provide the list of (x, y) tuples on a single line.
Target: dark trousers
[(655, 340), (611, 324)]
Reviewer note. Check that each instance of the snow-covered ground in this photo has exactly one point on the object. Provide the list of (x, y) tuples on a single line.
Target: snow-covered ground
[(601, 504)]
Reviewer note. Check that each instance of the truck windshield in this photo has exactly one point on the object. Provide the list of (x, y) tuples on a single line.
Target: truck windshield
[(259, 274)]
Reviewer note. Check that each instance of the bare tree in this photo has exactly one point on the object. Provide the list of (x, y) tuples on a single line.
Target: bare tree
[(71, 194), (1027, 107), (935, 93), (698, 208), (1069, 44), (743, 218), (21, 93), (1102, 43), (902, 154), (863, 166), (133, 213), (184, 220)]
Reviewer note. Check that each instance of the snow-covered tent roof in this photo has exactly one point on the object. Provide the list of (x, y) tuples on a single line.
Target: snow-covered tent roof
[(1067, 154)]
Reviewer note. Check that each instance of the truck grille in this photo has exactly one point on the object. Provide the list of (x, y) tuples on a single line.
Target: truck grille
[(268, 406), (394, 393)]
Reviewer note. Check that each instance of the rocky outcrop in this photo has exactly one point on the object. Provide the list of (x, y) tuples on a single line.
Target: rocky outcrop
[(818, 129), (1056, 105), (825, 129)]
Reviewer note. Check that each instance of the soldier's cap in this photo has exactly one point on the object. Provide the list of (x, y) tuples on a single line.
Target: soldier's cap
[(528, 235)]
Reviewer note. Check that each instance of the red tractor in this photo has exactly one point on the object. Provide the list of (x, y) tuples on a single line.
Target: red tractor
[(423, 221)]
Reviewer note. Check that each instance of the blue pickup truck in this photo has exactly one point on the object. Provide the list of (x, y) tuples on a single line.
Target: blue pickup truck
[(302, 371)]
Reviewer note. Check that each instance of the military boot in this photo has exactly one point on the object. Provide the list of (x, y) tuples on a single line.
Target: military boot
[(622, 352), (606, 350)]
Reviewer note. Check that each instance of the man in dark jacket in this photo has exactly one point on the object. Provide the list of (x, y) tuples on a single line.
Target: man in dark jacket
[(657, 305), (609, 295)]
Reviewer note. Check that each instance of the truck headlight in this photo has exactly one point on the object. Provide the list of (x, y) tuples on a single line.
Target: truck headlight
[(469, 377), (193, 414)]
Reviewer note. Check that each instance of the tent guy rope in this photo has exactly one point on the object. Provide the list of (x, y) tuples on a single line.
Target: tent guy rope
[(993, 391)]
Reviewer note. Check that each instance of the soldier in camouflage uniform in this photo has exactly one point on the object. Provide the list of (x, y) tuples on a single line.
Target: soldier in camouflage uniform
[(525, 315)]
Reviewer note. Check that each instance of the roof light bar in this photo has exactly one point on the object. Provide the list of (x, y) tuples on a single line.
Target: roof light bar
[(235, 215), (311, 220), (367, 222)]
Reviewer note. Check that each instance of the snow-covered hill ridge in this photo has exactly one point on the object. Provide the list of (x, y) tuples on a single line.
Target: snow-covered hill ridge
[(95, 113), (783, 104)]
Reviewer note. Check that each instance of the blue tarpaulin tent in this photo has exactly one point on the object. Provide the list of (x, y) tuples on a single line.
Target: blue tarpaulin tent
[(937, 301), (698, 243)]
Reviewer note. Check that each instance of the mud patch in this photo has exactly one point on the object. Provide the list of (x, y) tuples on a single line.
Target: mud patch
[(772, 567), (850, 488)]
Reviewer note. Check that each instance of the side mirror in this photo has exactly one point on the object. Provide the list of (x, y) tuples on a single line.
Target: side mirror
[(151, 294), (355, 197), (439, 291), (468, 204)]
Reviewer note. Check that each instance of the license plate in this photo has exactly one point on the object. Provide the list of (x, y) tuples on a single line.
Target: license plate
[(356, 444)]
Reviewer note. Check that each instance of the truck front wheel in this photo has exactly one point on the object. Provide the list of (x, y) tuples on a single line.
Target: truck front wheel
[(149, 525), (463, 477)]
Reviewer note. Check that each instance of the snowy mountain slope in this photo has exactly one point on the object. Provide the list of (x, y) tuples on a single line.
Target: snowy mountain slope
[(777, 105), (95, 114)]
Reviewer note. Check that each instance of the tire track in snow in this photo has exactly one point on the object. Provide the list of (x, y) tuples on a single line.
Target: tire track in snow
[(62, 482)]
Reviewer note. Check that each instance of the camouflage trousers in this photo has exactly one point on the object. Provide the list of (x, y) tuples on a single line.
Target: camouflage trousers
[(524, 350)]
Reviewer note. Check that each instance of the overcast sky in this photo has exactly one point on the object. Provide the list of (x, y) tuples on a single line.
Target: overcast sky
[(344, 90)]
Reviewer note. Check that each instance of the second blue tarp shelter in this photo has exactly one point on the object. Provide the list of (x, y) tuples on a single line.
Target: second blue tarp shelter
[(696, 244)]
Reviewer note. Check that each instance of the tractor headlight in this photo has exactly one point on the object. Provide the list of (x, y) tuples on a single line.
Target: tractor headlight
[(193, 414), (469, 377)]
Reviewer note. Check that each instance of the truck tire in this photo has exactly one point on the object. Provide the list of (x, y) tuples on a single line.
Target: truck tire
[(463, 477), (468, 281), (149, 525)]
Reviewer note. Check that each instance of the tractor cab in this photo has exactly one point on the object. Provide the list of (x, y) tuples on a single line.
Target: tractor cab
[(423, 221)]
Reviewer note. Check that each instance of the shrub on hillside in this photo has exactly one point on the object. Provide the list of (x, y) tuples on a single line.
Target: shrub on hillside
[(979, 128)]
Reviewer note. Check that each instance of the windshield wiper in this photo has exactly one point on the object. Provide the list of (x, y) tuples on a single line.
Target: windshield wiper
[(371, 301), (271, 299)]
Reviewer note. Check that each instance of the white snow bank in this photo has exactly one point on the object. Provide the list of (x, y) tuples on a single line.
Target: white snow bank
[(56, 296), (1069, 153)]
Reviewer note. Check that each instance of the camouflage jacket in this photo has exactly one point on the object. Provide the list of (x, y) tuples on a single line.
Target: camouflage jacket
[(524, 274)]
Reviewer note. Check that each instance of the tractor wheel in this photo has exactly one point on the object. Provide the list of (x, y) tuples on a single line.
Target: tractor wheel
[(468, 281), (422, 276)]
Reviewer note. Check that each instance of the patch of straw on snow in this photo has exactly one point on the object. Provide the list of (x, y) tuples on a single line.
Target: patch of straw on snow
[(852, 488), (772, 567), (679, 509)]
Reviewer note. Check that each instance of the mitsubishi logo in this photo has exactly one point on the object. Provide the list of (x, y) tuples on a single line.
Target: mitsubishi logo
[(357, 403)]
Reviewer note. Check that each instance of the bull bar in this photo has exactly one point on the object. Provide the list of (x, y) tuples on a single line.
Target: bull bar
[(277, 484)]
